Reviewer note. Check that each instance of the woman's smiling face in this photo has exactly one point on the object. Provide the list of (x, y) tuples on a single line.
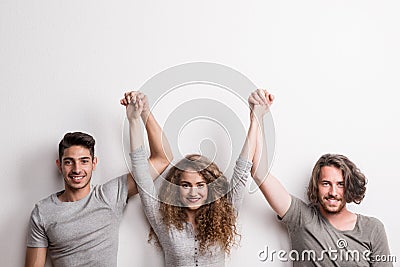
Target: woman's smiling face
[(193, 190)]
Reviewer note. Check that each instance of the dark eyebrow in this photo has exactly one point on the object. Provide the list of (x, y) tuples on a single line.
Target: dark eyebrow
[(69, 158)]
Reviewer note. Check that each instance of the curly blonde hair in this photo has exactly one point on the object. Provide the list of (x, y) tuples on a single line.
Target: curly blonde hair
[(215, 220)]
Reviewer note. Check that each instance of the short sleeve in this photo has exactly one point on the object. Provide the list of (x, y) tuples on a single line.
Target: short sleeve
[(380, 247), (297, 215), (115, 192), (37, 237)]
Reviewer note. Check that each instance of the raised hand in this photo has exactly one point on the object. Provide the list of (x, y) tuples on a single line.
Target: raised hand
[(135, 102), (260, 101), (260, 97)]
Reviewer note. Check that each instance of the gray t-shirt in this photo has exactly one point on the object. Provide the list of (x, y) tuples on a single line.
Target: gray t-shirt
[(181, 247), (84, 232), (315, 242)]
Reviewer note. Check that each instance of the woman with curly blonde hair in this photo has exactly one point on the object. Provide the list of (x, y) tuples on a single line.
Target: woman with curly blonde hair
[(194, 215), (208, 203)]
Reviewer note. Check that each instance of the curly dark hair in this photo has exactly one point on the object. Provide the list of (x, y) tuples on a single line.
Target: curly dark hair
[(354, 181), (215, 220)]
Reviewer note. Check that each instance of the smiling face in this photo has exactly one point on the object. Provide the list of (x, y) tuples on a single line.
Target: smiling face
[(331, 190), (193, 190), (76, 167)]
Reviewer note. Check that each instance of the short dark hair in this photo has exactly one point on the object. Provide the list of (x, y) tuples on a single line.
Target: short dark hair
[(354, 180), (76, 139)]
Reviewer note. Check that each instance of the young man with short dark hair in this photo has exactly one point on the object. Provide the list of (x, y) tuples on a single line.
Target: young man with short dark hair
[(79, 225)]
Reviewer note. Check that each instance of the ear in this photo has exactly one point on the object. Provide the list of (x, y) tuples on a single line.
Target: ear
[(58, 163), (94, 163)]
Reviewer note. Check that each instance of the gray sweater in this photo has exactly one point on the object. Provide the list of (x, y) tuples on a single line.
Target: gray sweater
[(180, 247)]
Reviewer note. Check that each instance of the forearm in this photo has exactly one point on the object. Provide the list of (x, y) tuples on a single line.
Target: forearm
[(135, 134), (259, 170), (140, 168), (160, 150), (136, 141), (273, 191), (249, 146), (35, 257), (243, 166), (159, 145)]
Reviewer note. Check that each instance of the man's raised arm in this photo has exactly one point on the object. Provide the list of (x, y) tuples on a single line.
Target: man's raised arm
[(273, 191)]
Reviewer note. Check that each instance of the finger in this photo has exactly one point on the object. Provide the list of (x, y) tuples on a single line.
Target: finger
[(254, 102), (130, 97), (140, 103), (135, 96), (127, 97), (255, 98), (145, 102), (271, 97), (140, 95), (262, 94), (137, 99)]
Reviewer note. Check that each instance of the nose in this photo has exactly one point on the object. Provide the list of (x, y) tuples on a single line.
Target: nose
[(76, 168), (333, 190), (193, 191)]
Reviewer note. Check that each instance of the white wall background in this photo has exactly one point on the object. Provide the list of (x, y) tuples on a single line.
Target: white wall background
[(333, 66)]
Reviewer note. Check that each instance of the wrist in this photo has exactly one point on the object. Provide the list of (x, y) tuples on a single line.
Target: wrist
[(256, 117), (145, 115), (134, 120)]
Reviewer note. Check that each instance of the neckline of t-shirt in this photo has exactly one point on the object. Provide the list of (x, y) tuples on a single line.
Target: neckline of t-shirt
[(342, 231), (59, 202)]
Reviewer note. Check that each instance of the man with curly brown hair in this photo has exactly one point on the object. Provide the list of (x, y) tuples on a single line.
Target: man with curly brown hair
[(324, 232)]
